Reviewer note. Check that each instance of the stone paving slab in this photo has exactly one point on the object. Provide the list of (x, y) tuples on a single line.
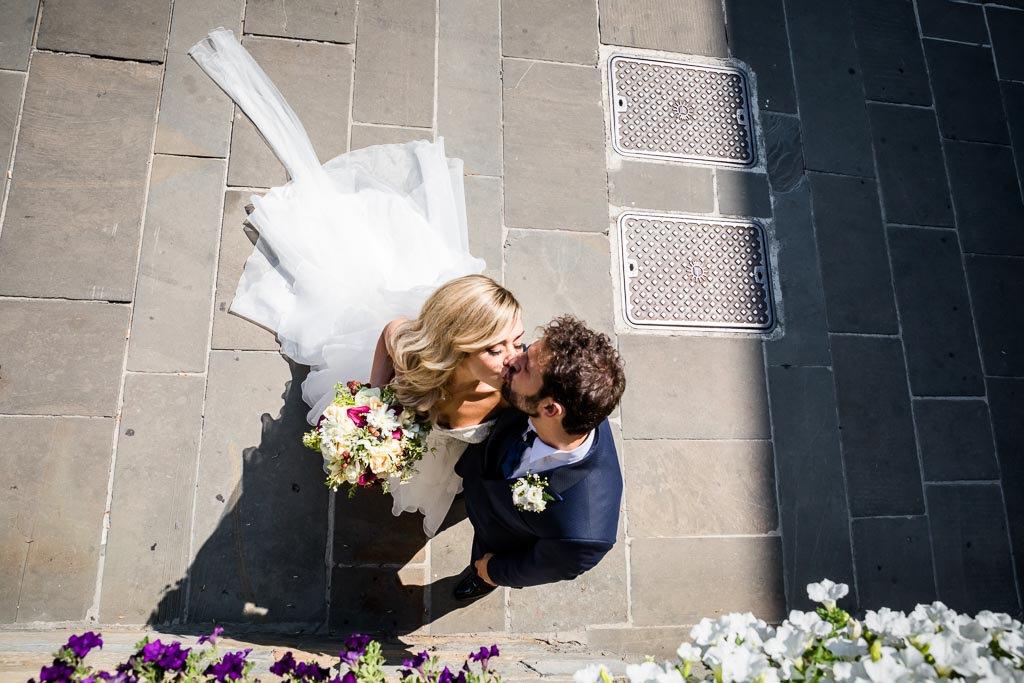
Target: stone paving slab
[(231, 331), (366, 135), (879, 453), (935, 313), (813, 511), (783, 151), (955, 440), (469, 83), (16, 33), (357, 531), (394, 82), (328, 20), (483, 213), (973, 567), (315, 79), (97, 117), (987, 198), (699, 488), (1013, 101), (1006, 27), (147, 548), (12, 86), (891, 58), (757, 35), (574, 267), (742, 193), (661, 187), (560, 184), (126, 29), (261, 506), (61, 357), (556, 32), (660, 642), (195, 115), (952, 21), (894, 562), (685, 26), (377, 599), (966, 92), (1006, 402), (171, 319), (994, 282), (830, 92), (51, 539), (450, 552), (745, 570), (714, 387), (802, 305), (911, 169), (855, 268), (599, 596)]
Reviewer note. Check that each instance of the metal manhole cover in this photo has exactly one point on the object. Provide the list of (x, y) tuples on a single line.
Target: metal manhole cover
[(680, 111), (686, 272)]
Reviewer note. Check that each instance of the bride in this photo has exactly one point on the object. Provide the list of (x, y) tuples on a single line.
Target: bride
[(347, 246)]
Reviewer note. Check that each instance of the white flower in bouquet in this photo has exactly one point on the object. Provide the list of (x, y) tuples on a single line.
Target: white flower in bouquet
[(827, 592), (352, 471), (529, 494), (383, 418)]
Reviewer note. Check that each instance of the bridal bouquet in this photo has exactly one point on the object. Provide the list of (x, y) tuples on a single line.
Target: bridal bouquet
[(366, 436)]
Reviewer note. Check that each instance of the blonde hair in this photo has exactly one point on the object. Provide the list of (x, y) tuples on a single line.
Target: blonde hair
[(463, 316)]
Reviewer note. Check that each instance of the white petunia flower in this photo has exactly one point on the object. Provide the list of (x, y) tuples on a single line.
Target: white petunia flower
[(670, 675), (994, 620), (647, 672), (842, 647), (891, 625), (591, 674), (1013, 642), (688, 652), (827, 592), (810, 622), (739, 663), (788, 643)]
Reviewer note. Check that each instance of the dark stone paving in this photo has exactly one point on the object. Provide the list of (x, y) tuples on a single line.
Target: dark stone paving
[(875, 438)]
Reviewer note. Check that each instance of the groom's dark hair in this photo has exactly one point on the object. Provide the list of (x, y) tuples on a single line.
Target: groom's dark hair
[(583, 372)]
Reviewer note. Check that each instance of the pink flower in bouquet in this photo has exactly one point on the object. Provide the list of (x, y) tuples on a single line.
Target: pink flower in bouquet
[(356, 415)]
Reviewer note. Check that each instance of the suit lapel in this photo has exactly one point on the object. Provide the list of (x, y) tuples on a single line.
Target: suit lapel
[(561, 479), (510, 426)]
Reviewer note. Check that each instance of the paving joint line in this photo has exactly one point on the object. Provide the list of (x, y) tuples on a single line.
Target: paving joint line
[(92, 614), (291, 39), (105, 58)]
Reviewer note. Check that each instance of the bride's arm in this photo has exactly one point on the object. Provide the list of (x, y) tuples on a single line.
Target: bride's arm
[(383, 369)]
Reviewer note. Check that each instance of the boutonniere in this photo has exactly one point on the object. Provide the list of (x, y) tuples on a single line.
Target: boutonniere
[(529, 494)]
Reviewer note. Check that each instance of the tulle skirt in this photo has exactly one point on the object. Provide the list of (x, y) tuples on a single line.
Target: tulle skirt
[(344, 247)]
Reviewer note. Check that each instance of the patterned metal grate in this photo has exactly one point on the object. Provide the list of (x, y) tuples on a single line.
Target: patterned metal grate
[(680, 111), (682, 272)]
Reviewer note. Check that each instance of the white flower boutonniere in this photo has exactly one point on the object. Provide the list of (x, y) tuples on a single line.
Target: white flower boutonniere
[(528, 493)]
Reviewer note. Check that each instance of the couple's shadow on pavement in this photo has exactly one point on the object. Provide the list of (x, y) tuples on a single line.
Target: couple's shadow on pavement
[(262, 561)]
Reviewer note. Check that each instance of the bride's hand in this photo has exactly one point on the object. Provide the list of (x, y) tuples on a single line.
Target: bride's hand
[(383, 369)]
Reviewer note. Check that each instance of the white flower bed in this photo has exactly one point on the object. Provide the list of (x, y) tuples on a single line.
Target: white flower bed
[(932, 643)]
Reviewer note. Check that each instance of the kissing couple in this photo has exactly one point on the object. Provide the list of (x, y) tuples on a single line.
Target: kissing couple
[(378, 238)]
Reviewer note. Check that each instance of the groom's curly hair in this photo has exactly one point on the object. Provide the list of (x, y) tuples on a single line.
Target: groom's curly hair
[(583, 372)]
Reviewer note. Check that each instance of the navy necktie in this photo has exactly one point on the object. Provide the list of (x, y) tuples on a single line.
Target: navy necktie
[(515, 453)]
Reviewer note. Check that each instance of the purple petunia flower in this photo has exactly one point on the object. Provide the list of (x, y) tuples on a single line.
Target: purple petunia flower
[(57, 672), (283, 666), (83, 644), (212, 638), (167, 657), (310, 671), (349, 678), (484, 655), (230, 667), (417, 661)]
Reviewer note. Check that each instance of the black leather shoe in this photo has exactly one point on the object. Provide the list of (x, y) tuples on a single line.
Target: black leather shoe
[(471, 587)]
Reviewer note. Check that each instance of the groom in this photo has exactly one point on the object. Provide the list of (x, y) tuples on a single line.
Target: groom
[(562, 389)]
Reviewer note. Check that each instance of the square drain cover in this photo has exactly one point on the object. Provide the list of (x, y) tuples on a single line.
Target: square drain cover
[(675, 110), (682, 272)]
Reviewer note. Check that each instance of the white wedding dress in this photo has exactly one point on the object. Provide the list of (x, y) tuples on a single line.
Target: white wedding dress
[(343, 249)]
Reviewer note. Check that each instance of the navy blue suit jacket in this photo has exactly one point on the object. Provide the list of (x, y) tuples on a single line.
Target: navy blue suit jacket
[(569, 537)]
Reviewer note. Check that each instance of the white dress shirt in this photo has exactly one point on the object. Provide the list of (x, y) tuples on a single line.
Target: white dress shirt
[(541, 457)]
